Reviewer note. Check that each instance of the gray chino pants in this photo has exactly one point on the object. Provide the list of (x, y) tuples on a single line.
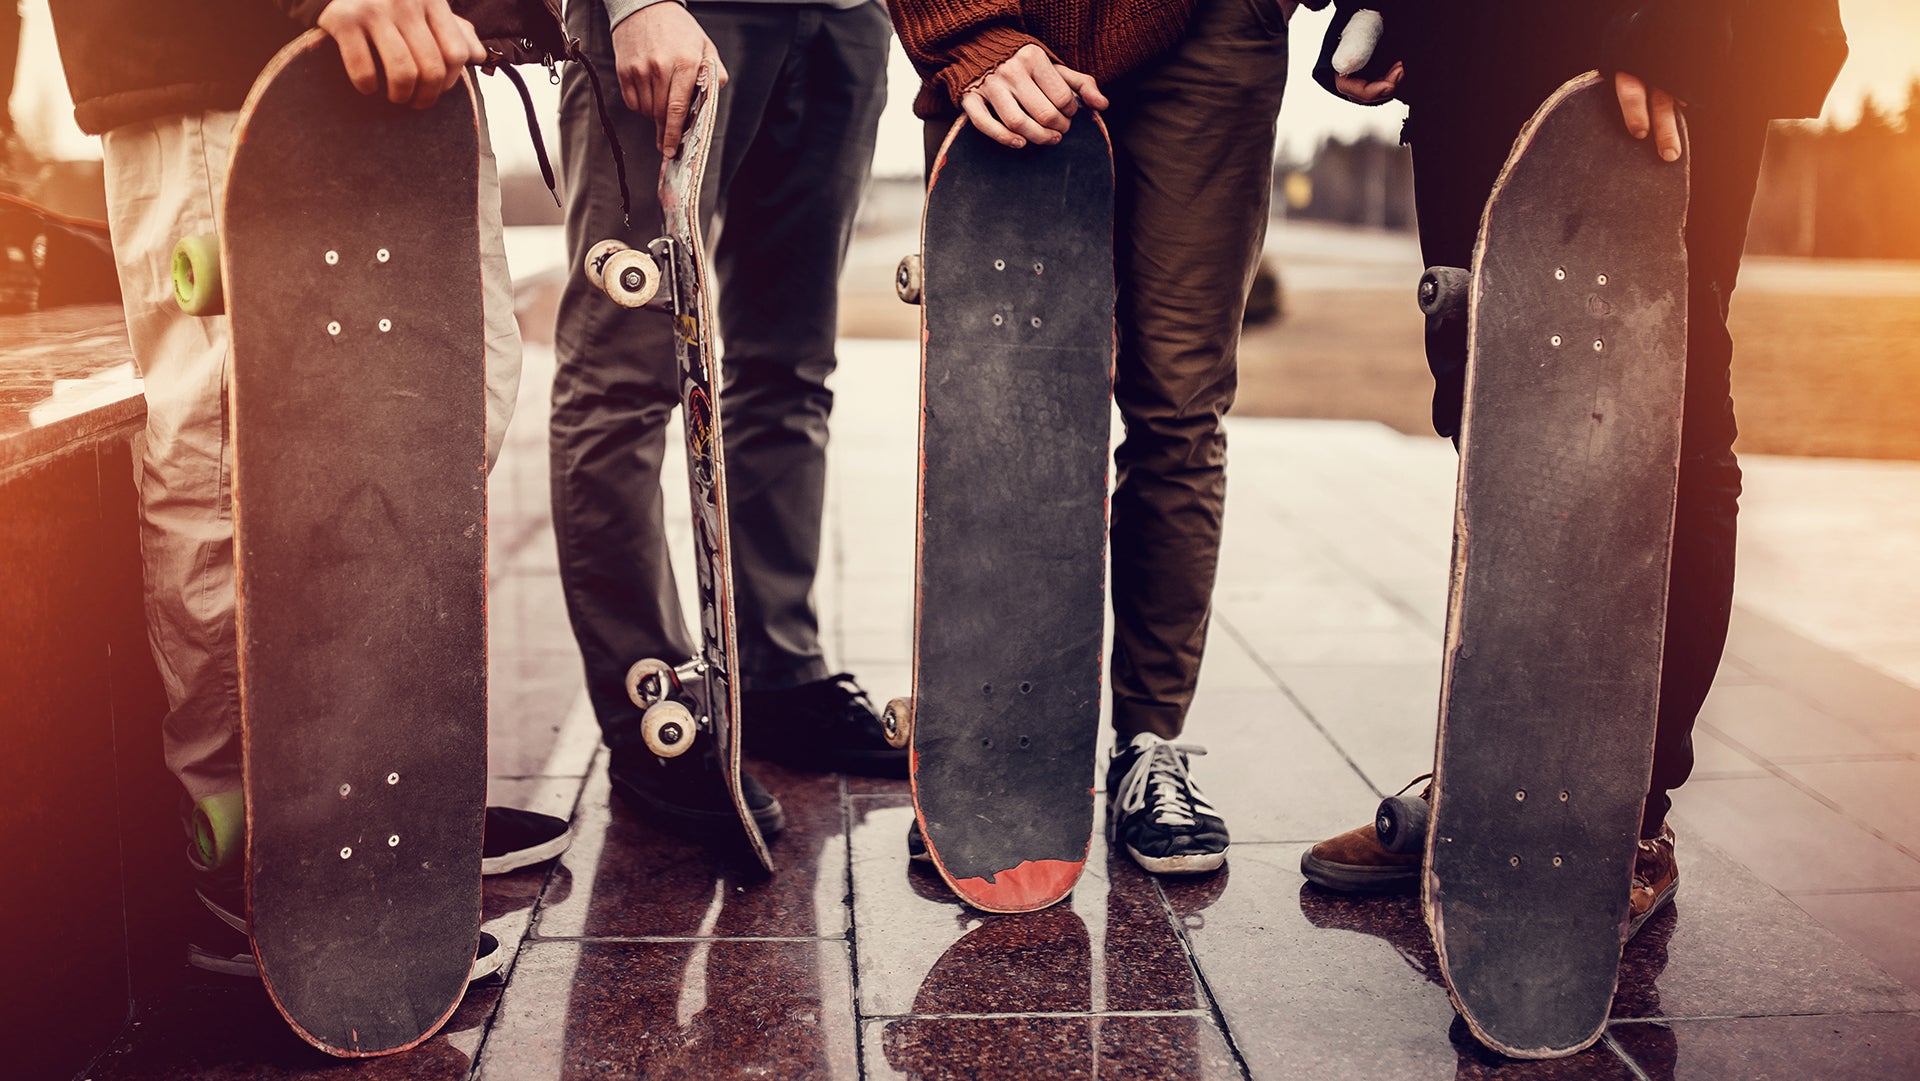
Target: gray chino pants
[(793, 144)]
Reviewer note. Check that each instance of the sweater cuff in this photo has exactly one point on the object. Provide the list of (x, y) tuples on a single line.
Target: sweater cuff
[(968, 64), (618, 10)]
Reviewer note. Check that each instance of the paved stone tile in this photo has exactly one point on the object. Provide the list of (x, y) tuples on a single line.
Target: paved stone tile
[(1780, 727), (1882, 795), (1286, 648), (1066, 1048), (1873, 1047), (1381, 715), (625, 877), (1882, 925), (1109, 947), (1715, 759), (1732, 946), (541, 741), (1314, 984), (220, 1029), (1305, 976), (1833, 682), (1294, 606), (714, 1009), (1790, 840), (1273, 776)]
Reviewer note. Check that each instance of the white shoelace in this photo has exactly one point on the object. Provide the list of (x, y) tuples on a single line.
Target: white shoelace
[(1162, 775)]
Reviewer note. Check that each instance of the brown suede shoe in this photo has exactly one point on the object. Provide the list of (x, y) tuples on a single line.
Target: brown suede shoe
[(1656, 875), (1356, 862)]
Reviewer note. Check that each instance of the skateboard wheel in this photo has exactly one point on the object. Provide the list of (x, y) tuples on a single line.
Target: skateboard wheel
[(907, 279), (639, 692), (667, 728), (1402, 823), (597, 257), (630, 277), (897, 722), (196, 275), (219, 828), (1443, 291)]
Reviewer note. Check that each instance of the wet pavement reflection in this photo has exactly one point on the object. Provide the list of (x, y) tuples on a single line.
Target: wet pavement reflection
[(640, 954)]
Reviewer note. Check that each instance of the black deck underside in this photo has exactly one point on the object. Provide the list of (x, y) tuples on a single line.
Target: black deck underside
[(360, 502)]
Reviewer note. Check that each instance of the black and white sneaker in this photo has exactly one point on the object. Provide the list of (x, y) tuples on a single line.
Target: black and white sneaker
[(515, 838), (1158, 813)]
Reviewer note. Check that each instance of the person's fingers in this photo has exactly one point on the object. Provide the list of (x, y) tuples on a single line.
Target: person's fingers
[(1007, 108), (358, 59), (1038, 106), (719, 70), (430, 68), (976, 109), (396, 61), (1355, 88), (1047, 78), (1632, 94), (1666, 125), (629, 89), (679, 97), (459, 45), (1083, 85)]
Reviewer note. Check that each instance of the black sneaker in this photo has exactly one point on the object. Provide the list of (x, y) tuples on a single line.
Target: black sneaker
[(826, 725), (689, 793), (219, 941), (917, 845), (515, 838), (1158, 813)]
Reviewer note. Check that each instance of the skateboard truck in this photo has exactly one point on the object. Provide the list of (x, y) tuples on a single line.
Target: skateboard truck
[(667, 726), (630, 276)]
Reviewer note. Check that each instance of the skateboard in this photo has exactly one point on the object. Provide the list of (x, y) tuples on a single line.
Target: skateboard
[(1577, 330), (1015, 281), (348, 261), (683, 700)]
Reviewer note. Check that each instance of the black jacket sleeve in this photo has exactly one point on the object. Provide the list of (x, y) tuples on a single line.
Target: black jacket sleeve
[(1771, 58), (1385, 54)]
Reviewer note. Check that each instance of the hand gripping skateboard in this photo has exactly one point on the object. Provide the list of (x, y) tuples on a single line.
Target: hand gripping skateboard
[(1576, 309), (1016, 287), (698, 696), (350, 258)]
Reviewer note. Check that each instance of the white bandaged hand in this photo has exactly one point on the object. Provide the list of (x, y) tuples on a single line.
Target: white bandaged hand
[(1358, 41)]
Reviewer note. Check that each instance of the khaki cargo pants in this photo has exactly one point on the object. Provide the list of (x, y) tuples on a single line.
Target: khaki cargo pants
[(165, 180)]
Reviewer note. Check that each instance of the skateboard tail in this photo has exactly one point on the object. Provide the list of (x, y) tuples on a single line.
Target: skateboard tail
[(1034, 884), (1513, 1041)]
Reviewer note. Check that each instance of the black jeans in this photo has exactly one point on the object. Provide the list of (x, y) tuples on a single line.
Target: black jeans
[(792, 147), (1462, 127)]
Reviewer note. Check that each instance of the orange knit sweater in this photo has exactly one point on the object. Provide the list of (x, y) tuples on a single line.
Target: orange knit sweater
[(953, 43)]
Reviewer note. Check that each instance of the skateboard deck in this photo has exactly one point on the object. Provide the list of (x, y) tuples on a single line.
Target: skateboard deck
[(1576, 313), (350, 259), (686, 698), (1016, 284)]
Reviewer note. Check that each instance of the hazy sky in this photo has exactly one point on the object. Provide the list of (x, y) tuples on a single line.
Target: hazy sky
[(1884, 35)]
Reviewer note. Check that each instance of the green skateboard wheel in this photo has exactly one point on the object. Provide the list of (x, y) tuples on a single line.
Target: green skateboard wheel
[(196, 275), (219, 828)]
